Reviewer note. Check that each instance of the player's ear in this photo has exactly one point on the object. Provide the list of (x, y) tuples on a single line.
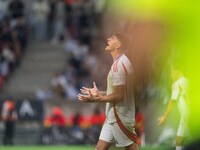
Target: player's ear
[(118, 45)]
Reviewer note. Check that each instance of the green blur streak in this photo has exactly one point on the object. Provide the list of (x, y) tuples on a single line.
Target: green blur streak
[(183, 17)]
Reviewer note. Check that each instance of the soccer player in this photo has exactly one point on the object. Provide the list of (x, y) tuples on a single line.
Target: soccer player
[(118, 127), (179, 95)]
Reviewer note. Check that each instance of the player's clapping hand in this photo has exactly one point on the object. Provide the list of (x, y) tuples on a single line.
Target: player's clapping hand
[(93, 91), (88, 94)]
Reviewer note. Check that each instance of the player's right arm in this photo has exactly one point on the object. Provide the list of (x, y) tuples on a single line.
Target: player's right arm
[(94, 91), (163, 118), (174, 97)]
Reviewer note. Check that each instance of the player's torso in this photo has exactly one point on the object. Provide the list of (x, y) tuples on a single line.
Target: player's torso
[(126, 108), (183, 100)]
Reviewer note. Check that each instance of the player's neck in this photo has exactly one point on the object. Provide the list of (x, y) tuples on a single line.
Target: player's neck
[(116, 53)]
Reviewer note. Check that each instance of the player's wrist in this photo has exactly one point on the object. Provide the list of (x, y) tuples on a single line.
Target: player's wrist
[(96, 99)]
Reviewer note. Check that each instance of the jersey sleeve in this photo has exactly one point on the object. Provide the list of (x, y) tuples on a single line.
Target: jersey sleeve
[(120, 74)]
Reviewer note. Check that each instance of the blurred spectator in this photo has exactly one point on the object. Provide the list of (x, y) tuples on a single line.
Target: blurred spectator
[(13, 42), (59, 83), (1, 82), (64, 85), (51, 17), (22, 32), (8, 54), (97, 118), (54, 127), (68, 5), (9, 117), (16, 10), (3, 9), (79, 53), (73, 23), (59, 19), (44, 94), (41, 11), (16, 46), (79, 124), (5, 51), (71, 45), (55, 118), (78, 120), (99, 9), (70, 90), (85, 24), (4, 68)]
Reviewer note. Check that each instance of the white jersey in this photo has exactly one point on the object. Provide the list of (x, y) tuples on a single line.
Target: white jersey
[(179, 94), (120, 69)]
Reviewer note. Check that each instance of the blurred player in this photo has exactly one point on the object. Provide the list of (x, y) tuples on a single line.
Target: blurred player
[(118, 127), (179, 95)]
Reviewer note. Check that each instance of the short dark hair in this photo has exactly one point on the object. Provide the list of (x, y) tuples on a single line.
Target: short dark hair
[(123, 38)]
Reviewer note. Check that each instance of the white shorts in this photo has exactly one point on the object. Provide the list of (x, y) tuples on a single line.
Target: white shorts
[(111, 133), (183, 130)]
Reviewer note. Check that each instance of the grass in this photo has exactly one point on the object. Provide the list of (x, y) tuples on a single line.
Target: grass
[(70, 148), (47, 148)]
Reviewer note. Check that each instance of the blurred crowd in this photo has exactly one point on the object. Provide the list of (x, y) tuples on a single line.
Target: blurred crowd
[(13, 37), (56, 19), (77, 25), (73, 129), (79, 128), (81, 71)]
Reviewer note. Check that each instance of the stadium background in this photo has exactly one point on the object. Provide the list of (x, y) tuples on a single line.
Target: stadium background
[(48, 56)]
